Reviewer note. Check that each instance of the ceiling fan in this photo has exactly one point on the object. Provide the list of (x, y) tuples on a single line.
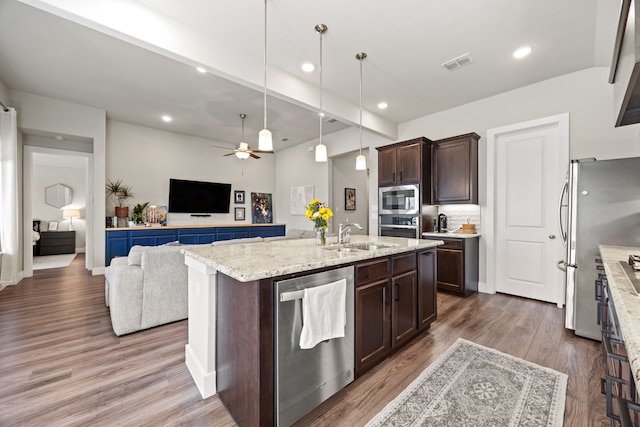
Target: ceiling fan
[(243, 151)]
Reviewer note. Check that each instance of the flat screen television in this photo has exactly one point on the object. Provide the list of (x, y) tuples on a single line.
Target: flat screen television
[(198, 197)]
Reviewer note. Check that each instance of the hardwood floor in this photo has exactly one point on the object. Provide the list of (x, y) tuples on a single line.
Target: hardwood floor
[(61, 364)]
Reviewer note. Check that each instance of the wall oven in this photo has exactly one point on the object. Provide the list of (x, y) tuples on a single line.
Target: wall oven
[(399, 200), (400, 226)]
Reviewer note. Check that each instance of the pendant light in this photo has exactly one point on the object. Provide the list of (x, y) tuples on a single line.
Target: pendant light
[(265, 141), (243, 145), (321, 149), (361, 161)]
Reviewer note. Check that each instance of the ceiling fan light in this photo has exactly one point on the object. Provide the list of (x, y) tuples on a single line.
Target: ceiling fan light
[(242, 155), (361, 163), (265, 140), (321, 153)]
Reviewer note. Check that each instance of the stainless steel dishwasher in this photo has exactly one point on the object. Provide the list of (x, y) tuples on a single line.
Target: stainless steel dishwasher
[(306, 378)]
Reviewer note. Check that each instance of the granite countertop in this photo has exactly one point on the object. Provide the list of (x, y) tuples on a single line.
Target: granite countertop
[(450, 234), (626, 301), (260, 260)]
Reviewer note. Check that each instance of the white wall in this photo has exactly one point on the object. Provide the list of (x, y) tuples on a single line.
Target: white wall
[(146, 158), (345, 175), (296, 166), (52, 116)]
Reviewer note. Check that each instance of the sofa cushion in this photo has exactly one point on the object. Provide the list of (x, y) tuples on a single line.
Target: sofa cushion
[(135, 255)]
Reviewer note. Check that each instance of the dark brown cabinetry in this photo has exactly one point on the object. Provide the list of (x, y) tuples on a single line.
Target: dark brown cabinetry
[(407, 162), (458, 265), (56, 243), (392, 304), (455, 170), (427, 295)]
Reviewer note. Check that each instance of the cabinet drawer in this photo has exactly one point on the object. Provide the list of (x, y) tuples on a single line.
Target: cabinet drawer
[(403, 264), (451, 244), (373, 271)]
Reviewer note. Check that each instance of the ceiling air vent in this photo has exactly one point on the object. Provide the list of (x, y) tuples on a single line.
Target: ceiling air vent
[(331, 120), (458, 62)]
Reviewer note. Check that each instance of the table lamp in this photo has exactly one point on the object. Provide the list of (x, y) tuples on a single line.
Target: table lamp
[(71, 213)]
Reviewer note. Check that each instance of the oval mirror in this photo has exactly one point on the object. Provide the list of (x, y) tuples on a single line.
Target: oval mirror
[(58, 195)]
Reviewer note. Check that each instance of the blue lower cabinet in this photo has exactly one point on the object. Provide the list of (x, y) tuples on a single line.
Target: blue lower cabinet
[(228, 233), (119, 242), (197, 236), (117, 245), (267, 231)]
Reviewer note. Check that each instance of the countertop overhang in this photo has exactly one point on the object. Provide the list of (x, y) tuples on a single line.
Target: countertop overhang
[(254, 261), (626, 301)]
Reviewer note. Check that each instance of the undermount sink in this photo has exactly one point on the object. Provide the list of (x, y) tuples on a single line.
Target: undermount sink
[(359, 247)]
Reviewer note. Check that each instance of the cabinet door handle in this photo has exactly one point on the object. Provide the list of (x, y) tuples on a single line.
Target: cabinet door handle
[(397, 298), (400, 175), (394, 177)]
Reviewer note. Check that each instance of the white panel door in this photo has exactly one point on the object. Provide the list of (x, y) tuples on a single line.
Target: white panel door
[(530, 165)]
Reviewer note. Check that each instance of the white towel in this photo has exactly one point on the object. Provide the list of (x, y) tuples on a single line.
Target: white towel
[(323, 313)]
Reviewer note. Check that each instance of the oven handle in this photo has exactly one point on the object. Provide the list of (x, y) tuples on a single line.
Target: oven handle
[(398, 226)]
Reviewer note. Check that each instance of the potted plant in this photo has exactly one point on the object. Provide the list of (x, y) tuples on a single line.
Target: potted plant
[(121, 193), (138, 212)]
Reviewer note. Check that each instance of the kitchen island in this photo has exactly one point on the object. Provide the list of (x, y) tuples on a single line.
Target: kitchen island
[(231, 307)]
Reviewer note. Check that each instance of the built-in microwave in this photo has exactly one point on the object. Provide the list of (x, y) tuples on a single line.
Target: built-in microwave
[(401, 199)]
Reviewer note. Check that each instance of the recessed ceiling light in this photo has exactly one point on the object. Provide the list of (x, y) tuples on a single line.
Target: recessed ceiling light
[(523, 51), (166, 119), (382, 105), (201, 70), (307, 67)]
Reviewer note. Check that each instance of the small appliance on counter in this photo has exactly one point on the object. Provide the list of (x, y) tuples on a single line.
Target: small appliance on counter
[(442, 223)]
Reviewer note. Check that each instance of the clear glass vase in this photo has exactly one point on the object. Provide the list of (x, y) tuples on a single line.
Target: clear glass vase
[(321, 236)]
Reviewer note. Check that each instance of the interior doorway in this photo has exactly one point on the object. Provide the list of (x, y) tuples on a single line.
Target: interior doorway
[(527, 163), (350, 192), (40, 160)]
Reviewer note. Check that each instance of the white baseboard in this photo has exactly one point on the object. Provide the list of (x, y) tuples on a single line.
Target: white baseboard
[(486, 289), (206, 382)]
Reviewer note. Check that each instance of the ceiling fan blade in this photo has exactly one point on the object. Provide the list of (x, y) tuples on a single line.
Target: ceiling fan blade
[(262, 151), (254, 156), (230, 154)]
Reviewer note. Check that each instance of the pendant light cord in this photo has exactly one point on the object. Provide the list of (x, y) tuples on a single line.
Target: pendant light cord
[(265, 64), (321, 33), (361, 59)]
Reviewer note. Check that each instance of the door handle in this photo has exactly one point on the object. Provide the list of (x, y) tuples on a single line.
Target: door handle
[(562, 265), (563, 232), (552, 236)]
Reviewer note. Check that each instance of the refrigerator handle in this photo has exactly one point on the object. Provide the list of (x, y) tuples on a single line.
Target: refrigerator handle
[(563, 232)]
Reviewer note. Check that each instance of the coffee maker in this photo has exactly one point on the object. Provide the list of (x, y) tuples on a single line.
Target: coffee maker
[(442, 223)]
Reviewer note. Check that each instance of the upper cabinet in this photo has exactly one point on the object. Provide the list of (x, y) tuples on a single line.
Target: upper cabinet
[(455, 170), (406, 162)]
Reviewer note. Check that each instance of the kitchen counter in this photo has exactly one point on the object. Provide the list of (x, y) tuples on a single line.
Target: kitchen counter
[(626, 301), (450, 234), (261, 260)]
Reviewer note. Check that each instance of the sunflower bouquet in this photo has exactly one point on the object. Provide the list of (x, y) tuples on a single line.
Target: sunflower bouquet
[(319, 213)]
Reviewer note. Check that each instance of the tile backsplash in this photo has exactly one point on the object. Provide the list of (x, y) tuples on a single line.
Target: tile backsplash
[(458, 215)]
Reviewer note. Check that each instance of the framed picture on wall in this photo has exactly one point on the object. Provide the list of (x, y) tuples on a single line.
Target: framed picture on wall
[(349, 199), (239, 197), (53, 226), (239, 214)]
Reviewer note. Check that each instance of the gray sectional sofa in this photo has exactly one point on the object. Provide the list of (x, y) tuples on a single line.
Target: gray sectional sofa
[(149, 287)]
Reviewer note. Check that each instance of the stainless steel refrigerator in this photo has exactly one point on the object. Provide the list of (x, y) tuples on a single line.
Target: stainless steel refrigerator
[(600, 206)]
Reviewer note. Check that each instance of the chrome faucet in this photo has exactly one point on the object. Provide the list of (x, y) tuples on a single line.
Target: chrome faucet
[(343, 231)]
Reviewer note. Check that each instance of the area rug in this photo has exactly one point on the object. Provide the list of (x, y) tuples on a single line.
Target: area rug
[(52, 261), (472, 385)]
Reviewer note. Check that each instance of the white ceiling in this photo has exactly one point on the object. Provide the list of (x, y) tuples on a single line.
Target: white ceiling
[(135, 58)]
